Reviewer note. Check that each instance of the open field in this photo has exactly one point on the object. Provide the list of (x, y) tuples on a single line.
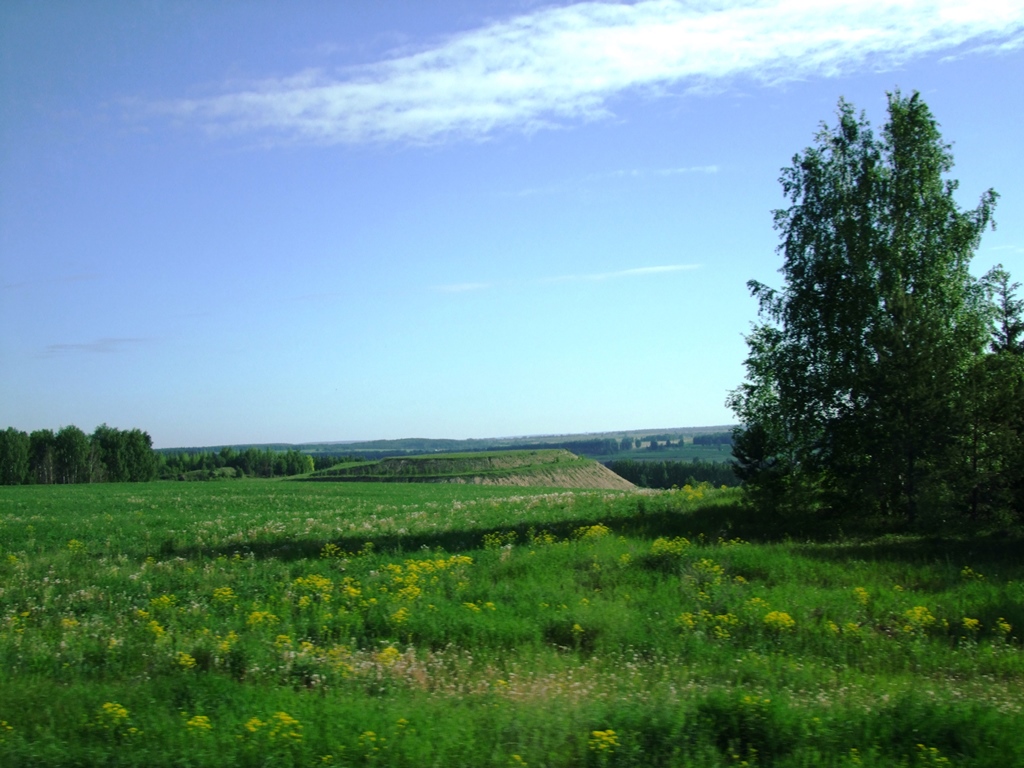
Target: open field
[(279, 623)]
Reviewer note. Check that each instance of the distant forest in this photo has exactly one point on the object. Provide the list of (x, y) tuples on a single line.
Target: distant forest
[(113, 455), (70, 456), (230, 462), (666, 474)]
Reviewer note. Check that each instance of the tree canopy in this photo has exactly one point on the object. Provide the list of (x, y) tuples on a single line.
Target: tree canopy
[(862, 370)]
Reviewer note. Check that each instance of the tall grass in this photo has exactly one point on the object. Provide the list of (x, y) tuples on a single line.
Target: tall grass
[(269, 623)]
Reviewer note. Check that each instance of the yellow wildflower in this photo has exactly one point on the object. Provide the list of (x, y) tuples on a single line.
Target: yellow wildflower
[(224, 594), (199, 724), (163, 602), (285, 727), (186, 660), (112, 713), (598, 531), (261, 617), (400, 616), (331, 550), (779, 621), (675, 546), (603, 741), (919, 619)]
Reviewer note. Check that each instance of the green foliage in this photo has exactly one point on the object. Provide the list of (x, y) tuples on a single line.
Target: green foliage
[(665, 474), (861, 376), (123, 456), (109, 455), (250, 623), (228, 462), (1007, 312), (41, 446), (14, 453)]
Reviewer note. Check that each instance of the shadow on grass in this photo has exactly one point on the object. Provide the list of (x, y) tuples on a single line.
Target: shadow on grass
[(647, 519), (1003, 556), (820, 537)]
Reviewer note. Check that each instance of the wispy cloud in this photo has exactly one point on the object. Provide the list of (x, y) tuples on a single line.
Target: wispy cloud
[(636, 173), (565, 64), (105, 346), (622, 273)]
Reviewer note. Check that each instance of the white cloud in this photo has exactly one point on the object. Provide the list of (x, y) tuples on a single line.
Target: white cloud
[(640, 172), (567, 63)]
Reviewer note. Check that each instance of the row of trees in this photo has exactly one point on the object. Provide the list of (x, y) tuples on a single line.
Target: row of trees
[(713, 438), (665, 474), (251, 461), (122, 456), (883, 378), (71, 456), (598, 446)]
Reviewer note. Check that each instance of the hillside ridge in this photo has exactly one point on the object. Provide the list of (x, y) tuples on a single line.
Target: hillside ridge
[(554, 468)]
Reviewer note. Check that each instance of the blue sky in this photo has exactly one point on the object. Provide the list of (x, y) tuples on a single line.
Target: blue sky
[(299, 221)]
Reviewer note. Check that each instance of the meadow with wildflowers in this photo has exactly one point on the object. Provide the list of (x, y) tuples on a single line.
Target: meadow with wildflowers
[(255, 623)]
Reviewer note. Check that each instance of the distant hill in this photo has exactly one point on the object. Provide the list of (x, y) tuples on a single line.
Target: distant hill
[(593, 444), (544, 468)]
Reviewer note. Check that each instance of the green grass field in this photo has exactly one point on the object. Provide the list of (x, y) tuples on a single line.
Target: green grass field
[(279, 623)]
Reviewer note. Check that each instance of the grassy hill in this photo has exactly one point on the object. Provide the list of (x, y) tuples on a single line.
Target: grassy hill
[(541, 468)]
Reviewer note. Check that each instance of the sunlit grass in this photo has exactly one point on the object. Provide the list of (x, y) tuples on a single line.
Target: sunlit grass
[(255, 623)]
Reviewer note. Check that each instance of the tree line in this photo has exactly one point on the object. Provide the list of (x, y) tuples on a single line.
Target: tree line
[(599, 446), (714, 438), (70, 456), (249, 462), (883, 378), (666, 474)]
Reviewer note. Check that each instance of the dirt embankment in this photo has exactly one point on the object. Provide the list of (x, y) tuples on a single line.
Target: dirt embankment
[(592, 475)]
